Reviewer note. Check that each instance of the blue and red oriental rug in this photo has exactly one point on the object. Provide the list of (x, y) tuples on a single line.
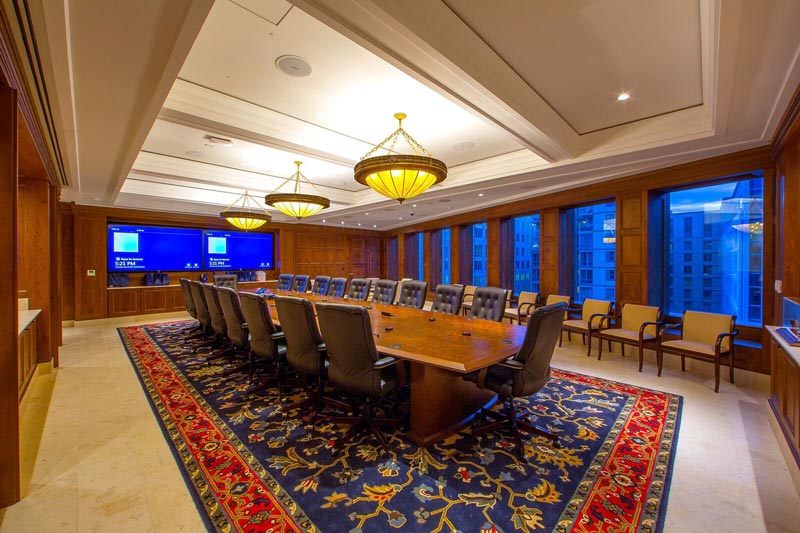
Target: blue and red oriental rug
[(252, 467)]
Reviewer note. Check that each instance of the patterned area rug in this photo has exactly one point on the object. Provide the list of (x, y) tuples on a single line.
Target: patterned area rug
[(252, 467)]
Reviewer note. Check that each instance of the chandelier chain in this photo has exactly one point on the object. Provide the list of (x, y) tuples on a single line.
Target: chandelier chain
[(415, 146)]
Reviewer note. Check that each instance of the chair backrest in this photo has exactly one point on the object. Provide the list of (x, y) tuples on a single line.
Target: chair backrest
[(384, 291), (321, 285), (226, 280), (526, 297), (234, 319), (448, 298), (706, 327), (284, 282), (595, 307), (359, 289), (188, 300), (259, 323), (347, 332), (489, 303), (199, 299), (536, 352), (413, 293), (633, 316), (337, 287), (215, 310), (300, 283), (303, 340), (469, 293), (557, 298)]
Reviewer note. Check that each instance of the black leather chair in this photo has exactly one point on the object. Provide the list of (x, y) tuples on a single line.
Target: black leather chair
[(337, 287), (523, 374), (235, 325), (188, 301), (359, 289), (321, 285), (284, 282), (355, 366), (448, 299), (218, 325), (305, 351), (384, 291), (413, 293), (203, 316), (266, 342), (226, 280), (300, 283), (488, 303)]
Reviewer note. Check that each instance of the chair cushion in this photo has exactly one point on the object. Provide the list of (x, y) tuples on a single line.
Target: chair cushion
[(627, 334), (689, 346), (633, 316), (582, 325)]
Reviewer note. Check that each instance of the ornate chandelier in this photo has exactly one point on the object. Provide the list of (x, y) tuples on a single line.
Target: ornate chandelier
[(400, 176), (296, 204), (246, 213)]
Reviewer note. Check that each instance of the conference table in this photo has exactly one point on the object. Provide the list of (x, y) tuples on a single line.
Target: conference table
[(440, 349)]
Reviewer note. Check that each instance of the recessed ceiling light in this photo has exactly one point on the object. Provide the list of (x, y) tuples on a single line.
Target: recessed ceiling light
[(374, 225), (342, 222), (359, 223), (196, 154), (324, 221), (623, 96), (463, 145), (413, 205), (366, 213), (480, 194), (399, 218), (293, 66)]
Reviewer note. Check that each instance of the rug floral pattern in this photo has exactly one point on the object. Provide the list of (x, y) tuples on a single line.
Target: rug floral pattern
[(252, 466)]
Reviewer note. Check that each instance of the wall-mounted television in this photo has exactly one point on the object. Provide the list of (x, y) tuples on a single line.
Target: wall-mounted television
[(234, 250), (146, 248)]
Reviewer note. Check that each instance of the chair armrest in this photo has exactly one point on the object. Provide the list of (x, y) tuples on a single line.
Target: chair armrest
[(279, 336), (384, 362), (645, 325), (601, 316), (721, 336), (512, 363), (665, 326), (527, 306)]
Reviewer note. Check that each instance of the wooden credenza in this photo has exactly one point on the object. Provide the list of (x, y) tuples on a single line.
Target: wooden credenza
[(784, 397)]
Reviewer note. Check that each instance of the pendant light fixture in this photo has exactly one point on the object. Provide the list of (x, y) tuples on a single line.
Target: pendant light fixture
[(296, 204), (400, 176), (246, 213)]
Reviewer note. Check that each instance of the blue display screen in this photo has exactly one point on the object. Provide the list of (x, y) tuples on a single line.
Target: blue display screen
[(232, 250), (140, 248)]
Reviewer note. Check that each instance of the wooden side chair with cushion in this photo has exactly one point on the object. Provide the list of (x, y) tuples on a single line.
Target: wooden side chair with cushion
[(704, 336), (594, 314), (525, 305), (638, 327), (469, 294)]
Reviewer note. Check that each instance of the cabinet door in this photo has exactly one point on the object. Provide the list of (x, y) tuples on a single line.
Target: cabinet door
[(154, 300), (122, 302), (175, 299)]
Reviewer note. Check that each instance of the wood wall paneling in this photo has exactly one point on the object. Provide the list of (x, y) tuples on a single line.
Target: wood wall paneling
[(9, 341), (392, 258), (493, 253), (549, 221), (434, 259), (632, 248), (455, 255), (427, 273), (90, 254), (401, 257), (465, 255), (67, 265)]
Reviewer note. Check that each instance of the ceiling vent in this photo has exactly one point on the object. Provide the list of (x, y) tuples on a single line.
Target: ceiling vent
[(218, 141)]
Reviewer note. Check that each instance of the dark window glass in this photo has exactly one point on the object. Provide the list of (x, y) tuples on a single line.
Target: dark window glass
[(526, 253), (595, 245), (479, 254), (445, 255)]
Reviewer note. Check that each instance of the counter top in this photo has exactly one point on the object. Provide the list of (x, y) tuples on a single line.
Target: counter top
[(24, 318), (793, 351)]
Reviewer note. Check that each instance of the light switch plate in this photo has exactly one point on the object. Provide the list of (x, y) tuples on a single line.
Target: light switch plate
[(90, 273)]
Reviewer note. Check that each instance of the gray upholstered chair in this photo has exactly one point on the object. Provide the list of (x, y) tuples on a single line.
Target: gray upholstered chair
[(284, 282), (359, 289), (321, 285), (413, 293), (226, 280), (448, 299), (355, 366), (300, 283), (384, 291), (188, 300), (337, 287), (203, 316), (218, 325), (522, 375), (488, 303), (266, 342), (305, 351), (235, 324)]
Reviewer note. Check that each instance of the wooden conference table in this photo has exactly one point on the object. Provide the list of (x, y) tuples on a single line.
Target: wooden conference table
[(439, 353)]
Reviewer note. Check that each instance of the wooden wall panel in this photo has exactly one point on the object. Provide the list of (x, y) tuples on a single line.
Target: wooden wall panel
[(455, 255), (90, 254), (67, 266), (493, 252), (632, 248), (549, 221)]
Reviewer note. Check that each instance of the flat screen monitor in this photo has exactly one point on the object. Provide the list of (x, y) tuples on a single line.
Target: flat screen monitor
[(147, 248), (235, 250)]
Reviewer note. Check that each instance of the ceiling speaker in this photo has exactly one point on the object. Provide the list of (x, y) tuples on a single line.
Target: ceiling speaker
[(293, 66)]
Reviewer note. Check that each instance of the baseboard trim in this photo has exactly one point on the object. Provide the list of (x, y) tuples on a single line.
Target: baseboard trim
[(126, 319)]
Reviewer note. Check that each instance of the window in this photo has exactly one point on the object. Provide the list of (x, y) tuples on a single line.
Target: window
[(594, 254), (687, 258), (730, 215), (479, 254), (445, 235), (526, 253)]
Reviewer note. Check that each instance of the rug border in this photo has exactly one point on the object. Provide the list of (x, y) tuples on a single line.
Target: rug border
[(198, 503)]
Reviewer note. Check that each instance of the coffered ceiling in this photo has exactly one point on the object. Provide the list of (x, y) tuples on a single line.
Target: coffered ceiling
[(518, 98)]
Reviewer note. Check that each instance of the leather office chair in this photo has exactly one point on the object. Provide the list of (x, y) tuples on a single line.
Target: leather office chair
[(359, 289), (413, 294), (638, 327), (705, 337), (226, 280), (448, 298), (321, 285), (235, 324), (266, 342), (523, 374), (488, 303), (218, 325), (384, 291), (337, 287), (306, 351), (355, 366), (300, 283), (188, 301), (203, 316), (284, 282)]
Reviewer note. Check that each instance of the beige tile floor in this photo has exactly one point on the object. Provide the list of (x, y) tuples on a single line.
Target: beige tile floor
[(98, 461)]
